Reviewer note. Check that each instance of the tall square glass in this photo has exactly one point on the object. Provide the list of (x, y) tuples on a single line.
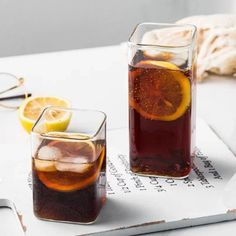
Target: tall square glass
[(162, 90), (69, 165)]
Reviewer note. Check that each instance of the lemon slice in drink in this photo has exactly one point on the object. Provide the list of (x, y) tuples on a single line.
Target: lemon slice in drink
[(163, 64), (76, 167), (31, 108), (163, 92)]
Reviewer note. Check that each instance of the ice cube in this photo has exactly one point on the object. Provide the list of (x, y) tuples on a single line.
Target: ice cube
[(73, 164), (49, 153), (46, 166)]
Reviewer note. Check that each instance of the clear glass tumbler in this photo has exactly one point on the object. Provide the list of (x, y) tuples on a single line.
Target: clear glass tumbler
[(162, 89), (69, 164)]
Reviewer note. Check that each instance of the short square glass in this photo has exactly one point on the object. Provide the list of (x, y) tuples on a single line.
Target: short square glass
[(69, 165)]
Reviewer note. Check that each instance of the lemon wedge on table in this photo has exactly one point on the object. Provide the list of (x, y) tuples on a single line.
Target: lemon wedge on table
[(32, 107)]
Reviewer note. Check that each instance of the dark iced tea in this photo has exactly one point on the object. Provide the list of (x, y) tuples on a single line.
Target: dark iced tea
[(160, 119), (161, 60), (69, 180)]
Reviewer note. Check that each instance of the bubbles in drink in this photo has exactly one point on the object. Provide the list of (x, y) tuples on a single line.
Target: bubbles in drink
[(160, 118)]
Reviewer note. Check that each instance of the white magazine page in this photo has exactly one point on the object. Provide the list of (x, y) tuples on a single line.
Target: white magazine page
[(136, 204)]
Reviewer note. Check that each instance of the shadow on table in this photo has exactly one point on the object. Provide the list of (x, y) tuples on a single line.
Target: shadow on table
[(117, 210), (213, 169)]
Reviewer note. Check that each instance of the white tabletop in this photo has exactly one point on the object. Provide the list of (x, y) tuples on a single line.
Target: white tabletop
[(97, 79)]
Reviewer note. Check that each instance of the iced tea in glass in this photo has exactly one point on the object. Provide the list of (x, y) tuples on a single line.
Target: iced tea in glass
[(162, 99), (69, 165)]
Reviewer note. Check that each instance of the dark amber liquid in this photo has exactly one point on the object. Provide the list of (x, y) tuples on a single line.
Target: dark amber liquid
[(158, 147), (81, 204)]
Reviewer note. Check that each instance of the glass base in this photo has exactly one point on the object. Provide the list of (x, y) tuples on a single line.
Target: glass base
[(159, 176), (67, 222)]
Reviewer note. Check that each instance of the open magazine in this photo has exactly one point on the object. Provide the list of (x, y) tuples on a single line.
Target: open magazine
[(136, 204)]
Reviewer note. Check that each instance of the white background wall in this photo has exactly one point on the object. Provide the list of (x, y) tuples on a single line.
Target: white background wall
[(32, 26)]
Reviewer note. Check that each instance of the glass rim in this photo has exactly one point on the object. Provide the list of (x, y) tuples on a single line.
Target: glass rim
[(194, 32), (69, 110)]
